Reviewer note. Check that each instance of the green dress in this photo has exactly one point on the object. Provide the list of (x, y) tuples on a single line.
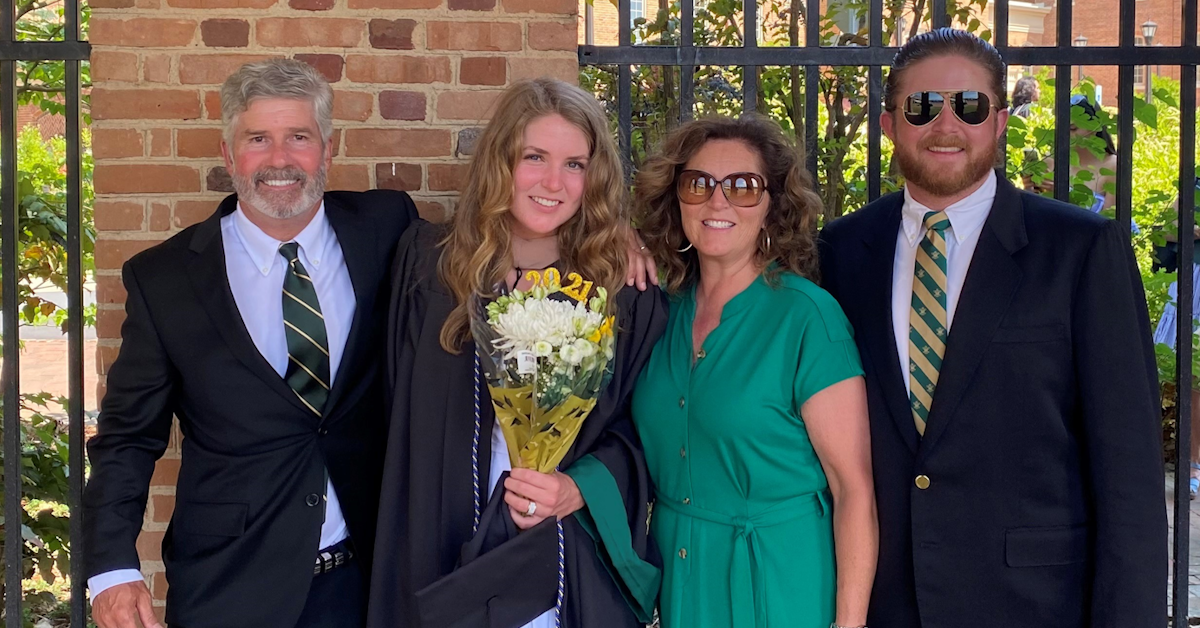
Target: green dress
[(742, 508)]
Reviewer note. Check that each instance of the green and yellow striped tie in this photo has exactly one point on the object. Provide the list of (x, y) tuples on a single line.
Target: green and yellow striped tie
[(927, 329), (304, 326)]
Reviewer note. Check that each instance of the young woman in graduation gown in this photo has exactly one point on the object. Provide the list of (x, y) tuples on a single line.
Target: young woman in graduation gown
[(461, 542)]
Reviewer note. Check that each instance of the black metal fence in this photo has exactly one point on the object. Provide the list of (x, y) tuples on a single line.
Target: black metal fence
[(71, 51), (682, 54), (686, 57)]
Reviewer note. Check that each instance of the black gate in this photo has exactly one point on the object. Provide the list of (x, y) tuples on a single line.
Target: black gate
[(680, 53), (72, 52)]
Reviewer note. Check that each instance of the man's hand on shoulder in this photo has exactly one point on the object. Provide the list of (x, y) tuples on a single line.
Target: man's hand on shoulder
[(127, 605)]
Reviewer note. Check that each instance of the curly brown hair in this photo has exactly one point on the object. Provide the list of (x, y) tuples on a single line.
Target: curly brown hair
[(477, 250), (791, 221)]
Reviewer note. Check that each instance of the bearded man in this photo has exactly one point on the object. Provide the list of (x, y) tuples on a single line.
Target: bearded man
[(258, 328), (1011, 382)]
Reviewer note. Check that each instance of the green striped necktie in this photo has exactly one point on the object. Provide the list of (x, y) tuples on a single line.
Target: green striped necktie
[(304, 326), (927, 329)]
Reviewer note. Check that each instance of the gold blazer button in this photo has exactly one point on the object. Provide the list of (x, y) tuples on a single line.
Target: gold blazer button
[(922, 482)]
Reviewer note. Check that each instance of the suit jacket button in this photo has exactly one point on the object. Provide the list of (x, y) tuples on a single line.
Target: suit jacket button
[(922, 482), (313, 499), (322, 431)]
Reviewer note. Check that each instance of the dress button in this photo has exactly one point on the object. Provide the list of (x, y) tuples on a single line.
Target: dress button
[(313, 499), (922, 482), (687, 500), (683, 452), (682, 553), (681, 402), (701, 355)]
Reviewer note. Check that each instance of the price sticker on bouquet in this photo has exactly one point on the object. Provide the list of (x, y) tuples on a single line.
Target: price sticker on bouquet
[(526, 363)]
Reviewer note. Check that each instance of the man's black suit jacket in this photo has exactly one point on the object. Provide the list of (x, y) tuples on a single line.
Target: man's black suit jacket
[(244, 535), (1043, 447)]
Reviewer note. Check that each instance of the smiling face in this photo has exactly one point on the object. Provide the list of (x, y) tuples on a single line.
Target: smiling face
[(718, 229), (549, 177), (945, 159), (276, 158)]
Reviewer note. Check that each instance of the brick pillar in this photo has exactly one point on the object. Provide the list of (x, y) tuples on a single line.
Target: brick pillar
[(412, 79)]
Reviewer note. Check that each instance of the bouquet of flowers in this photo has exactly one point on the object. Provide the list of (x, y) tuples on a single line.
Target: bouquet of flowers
[(546, 355)]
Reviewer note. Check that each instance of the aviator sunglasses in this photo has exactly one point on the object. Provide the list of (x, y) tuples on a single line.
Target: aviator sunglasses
[(972, 107), (743, 189)]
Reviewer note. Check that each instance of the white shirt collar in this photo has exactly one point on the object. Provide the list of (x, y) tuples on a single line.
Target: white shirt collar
[(264, 250), (966, 216)]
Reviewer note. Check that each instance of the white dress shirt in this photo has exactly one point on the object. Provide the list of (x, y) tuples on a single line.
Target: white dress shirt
[(500, 464), (966, 223), (256, 271)]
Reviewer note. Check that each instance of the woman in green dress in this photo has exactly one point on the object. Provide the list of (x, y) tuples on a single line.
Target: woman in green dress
[(752, 408)]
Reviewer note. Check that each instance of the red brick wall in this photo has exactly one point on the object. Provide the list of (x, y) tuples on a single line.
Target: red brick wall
[(412, 79), (1096, 20)]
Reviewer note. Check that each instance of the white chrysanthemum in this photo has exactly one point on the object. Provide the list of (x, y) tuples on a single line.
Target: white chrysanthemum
[(533, 321), (542, 348)]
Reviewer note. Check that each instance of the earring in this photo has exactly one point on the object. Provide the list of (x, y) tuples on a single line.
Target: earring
[(767, 251), (685, 249)]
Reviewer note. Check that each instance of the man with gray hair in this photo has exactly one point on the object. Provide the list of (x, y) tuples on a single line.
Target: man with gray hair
[(259, 329)]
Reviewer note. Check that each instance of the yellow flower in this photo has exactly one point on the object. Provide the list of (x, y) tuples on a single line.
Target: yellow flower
[(603, 331)]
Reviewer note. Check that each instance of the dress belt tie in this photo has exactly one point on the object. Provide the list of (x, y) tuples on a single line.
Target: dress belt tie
[(745, 569)]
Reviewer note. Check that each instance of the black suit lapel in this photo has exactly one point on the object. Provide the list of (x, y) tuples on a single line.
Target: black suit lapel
[(358, 243), (877, 329), (209, 277), (992, 280)]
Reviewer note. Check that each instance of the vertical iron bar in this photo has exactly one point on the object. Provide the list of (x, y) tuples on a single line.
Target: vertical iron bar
[(1063, 36), (1062, 107), (940, 16), (1127, 15), (1062, 132), (812, 86), (625, 114), (625, 87), (1183, 331), (1000, 26), (874, 130), (13, 543), (75, 393), (812, 81), (750, 41), (874, 102), (1124, 143), (687, 69), (1183, 339), (1000, 41)]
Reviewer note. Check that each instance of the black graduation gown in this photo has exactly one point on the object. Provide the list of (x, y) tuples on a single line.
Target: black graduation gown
[(430, 569)]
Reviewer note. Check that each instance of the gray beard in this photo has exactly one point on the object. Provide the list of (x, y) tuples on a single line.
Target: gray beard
[(281, 205)]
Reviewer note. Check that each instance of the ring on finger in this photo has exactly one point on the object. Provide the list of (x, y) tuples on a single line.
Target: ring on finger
[(532, 509)]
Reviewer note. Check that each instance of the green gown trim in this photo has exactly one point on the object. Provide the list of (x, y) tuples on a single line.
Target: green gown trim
[(604, 519)]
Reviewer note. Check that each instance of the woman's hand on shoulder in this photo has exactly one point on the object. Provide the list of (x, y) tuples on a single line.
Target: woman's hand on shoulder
[(555, 495), (641, 267)]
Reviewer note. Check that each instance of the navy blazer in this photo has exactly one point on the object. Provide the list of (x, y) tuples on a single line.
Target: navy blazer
[(1044, 504)]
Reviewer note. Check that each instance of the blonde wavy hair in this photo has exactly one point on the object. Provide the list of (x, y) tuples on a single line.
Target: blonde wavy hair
[(791, 221), (477, 250)]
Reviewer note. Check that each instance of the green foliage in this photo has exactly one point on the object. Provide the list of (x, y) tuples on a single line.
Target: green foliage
[(43, 83), (46, 518), (42, 216), (842, 104)]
